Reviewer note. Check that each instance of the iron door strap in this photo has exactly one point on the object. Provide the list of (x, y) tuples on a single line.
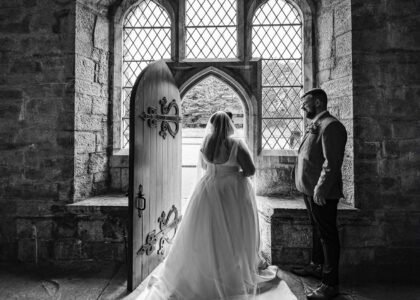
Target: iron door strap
[(165, 227), (140, 201), (152, 117)]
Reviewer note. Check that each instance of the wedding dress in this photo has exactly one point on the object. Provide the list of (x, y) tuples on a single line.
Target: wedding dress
[(215, 254)]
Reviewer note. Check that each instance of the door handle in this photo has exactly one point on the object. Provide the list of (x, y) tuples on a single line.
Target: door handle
[(140, 201)]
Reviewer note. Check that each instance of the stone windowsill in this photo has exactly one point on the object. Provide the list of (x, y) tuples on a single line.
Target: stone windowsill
[(267, 204)]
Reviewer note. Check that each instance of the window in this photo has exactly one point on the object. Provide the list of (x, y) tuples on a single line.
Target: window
[(146, 38), (277, 39), (211, 29)]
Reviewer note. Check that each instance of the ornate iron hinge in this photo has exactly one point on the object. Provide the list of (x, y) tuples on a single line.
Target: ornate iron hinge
[(153, 117), (165, 226)]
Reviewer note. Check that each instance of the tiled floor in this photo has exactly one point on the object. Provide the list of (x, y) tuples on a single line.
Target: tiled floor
[(108, 281)]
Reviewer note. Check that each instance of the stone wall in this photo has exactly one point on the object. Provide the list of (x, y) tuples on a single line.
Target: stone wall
[(92, 84), (54, 134), (36, 115), (333, 52), (368, 65), (386, 60)]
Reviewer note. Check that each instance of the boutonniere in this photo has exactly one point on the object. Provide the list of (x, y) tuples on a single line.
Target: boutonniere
[(313, 127)]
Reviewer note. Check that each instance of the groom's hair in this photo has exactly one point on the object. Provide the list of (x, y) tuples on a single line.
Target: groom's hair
[(319, 94), (229, 114)]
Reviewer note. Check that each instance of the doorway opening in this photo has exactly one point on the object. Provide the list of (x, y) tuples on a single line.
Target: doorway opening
[(198, 104)]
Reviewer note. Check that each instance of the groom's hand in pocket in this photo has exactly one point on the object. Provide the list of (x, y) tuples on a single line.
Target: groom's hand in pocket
[(318, 199)]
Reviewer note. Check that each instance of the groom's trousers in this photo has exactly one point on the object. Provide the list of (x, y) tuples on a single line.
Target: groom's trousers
[(325, 241)]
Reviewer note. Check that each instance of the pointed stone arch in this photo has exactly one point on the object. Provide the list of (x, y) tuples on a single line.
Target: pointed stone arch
[(249, 102)]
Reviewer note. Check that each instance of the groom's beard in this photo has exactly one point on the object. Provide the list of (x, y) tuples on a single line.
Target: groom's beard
[(310, 114)]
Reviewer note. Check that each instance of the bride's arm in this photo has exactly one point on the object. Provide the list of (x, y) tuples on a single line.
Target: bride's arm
[(245, 160)]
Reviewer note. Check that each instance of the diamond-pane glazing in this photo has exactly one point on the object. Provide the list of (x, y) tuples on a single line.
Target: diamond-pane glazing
[(211, 28), (277, 39), (146, 38), (281, 102)]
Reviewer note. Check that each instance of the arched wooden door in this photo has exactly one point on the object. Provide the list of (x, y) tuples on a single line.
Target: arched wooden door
[(155, 170)]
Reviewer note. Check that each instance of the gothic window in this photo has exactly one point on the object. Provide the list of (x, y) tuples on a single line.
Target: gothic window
[(277, 39), (211, 28), (146, 38)]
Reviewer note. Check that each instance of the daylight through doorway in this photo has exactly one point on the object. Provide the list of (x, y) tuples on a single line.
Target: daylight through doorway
[(199, 103)]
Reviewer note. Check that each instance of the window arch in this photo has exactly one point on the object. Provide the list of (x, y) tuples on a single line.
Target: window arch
[(277, 38), (146, 38), (211, 29)]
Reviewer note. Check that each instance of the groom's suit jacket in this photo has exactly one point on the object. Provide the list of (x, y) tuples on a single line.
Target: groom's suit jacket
[(320, 157)]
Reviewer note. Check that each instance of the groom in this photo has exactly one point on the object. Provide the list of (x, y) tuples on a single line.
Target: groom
[(318, 177)]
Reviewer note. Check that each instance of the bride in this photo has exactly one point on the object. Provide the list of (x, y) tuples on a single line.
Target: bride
[(215, 254)]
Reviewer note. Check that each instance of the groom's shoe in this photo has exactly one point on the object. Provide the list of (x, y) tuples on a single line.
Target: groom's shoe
[(323, 292), (312, 269)]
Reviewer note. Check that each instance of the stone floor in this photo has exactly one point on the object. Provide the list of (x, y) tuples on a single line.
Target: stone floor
[(108, 281)]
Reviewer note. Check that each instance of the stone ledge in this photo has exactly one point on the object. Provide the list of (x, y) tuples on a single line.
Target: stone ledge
[(100, 204), (273, 203), (270, 206)]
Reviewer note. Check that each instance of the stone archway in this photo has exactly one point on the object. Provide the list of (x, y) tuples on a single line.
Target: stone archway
[(249, 104), (205, 96)]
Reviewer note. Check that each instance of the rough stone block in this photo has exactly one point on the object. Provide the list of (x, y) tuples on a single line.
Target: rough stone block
[(124, 179), (119, 161), (84, 142), (397, 37), (353, 236), (372, 129), (102, 140), (100, 177), (274, 182), (342, 17), (83, 104), (29, 190), (116, 179), (369, 40), (103, 70), (114, 229), (290, 256), (100, 106), (100, 188), (85, 23), (401, 104), (405, 129), (65, 227), (343, 44), (26, 250), (81, 164), (90, 230), (288, 235), (338, 87), (69, 249), (357, 256), (11, 109), (88, 88), (108, 251), (101, 33), (98, 162), (85, 69), (325, 35), (342, 67), (89, 123), (82, 186)]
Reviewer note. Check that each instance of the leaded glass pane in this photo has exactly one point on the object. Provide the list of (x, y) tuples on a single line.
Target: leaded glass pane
[(146, 38), (211, 29), (277, 39)]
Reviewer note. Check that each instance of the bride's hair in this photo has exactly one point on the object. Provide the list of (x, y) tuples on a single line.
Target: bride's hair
[(219, 128)]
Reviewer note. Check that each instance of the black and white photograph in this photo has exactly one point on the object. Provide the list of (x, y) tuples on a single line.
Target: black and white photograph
[(209, 149)]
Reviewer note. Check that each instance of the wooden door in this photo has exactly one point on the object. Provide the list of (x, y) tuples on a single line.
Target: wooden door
[(155, 170)]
